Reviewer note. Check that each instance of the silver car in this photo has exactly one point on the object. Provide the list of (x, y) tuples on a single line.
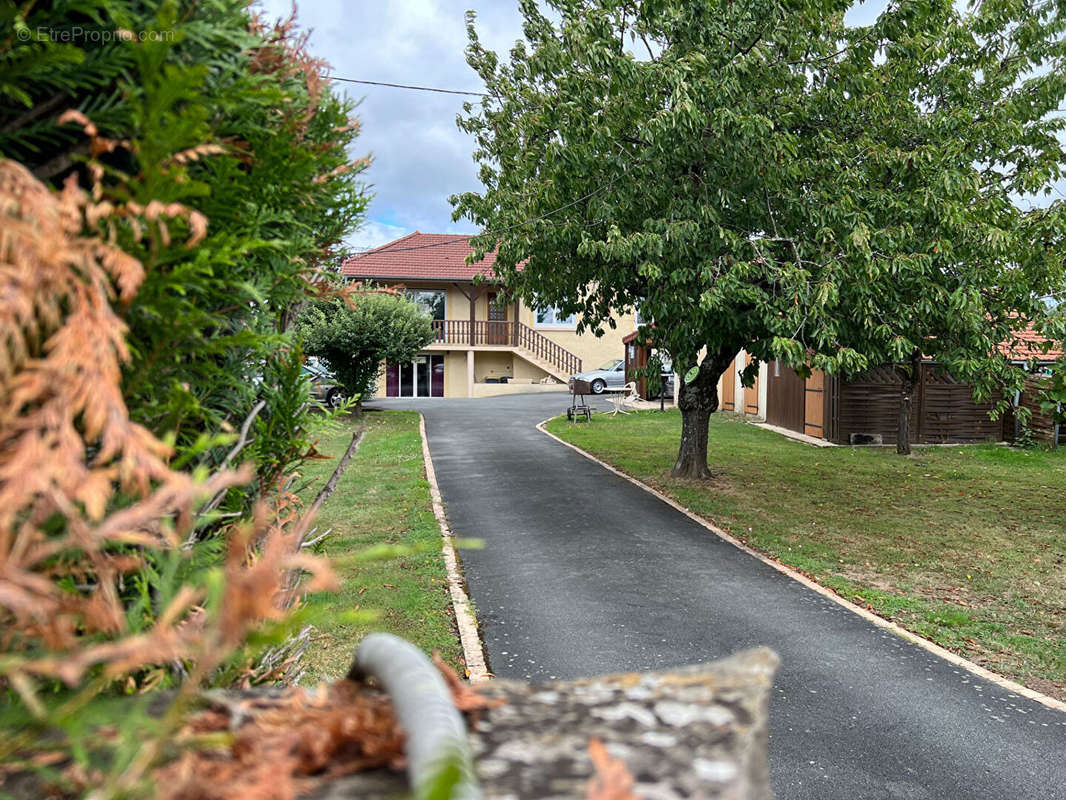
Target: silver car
[(610, 375), (324, 388)]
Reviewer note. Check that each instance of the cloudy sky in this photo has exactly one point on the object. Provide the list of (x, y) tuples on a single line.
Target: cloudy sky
[(419, 156)]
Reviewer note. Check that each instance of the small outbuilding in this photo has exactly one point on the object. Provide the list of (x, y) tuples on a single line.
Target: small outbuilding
[(864, 409)]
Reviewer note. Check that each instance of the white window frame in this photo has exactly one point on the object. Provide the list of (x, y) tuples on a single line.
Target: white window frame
[(568, 324)]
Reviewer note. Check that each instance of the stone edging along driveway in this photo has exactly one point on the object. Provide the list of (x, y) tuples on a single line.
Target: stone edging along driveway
[(881, 622), (465, 621)]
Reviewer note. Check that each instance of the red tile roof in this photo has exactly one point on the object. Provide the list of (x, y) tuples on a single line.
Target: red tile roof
[(420, 256), (1026, 345)]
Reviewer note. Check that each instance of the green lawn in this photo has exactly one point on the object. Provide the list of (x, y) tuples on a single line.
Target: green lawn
[(963, 545), (382, 499)]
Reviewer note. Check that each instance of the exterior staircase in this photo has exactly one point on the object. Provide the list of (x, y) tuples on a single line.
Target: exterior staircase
[(560, 375)]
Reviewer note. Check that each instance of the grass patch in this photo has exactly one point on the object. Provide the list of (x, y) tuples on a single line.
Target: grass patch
[(963, 545), (385, 547)]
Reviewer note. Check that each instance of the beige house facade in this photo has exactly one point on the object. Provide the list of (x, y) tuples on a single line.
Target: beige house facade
[(483, 345)]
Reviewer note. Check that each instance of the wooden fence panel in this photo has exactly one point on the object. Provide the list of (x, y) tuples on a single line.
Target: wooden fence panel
[(949, 413), (869, 404), (729, 387), (1040, 423), (943, 409), (814, 405)]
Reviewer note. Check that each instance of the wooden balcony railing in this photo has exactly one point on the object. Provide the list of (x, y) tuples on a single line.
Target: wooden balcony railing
[(506, 334)]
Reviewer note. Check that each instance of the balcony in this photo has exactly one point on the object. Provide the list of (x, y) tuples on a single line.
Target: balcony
[(476, 333), (516, 336)]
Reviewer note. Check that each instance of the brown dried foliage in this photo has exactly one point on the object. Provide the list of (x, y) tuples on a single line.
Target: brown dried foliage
[(466, 698), (284, 54), (286, 745), (83, 489), (612, 780), (102, 212), (282, 746)]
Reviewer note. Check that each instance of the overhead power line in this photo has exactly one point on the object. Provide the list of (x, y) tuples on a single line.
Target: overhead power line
[(468, 237), (405, 86), (483, 233)]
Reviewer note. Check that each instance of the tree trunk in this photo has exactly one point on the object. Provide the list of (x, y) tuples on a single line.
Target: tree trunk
[(903, 424), (910, 377), (697, 401)]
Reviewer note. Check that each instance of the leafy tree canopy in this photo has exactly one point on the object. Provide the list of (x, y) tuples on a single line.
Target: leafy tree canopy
[(761, 175), (354, 339), (200, 106)]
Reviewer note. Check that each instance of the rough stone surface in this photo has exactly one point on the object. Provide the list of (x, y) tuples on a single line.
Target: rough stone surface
[(692, 732)]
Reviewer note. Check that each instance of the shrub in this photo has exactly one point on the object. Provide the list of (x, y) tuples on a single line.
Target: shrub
[(166, 202), (357, 336), (224, 115)]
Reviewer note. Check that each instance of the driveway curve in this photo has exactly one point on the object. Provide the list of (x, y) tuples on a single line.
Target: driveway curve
[(582, 573)]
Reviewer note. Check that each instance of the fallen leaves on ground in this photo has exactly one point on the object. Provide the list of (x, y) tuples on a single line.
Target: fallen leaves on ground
[(278, 747)]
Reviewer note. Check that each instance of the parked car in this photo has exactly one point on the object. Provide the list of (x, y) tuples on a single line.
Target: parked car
[(612, 374), (324, 387)]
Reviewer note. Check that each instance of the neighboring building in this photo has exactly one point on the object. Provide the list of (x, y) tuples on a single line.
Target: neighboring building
[(865, 409), (638, 354), (483, 346)]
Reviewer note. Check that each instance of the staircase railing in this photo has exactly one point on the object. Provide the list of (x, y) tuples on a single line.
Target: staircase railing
[(545, 349), (507, 334)]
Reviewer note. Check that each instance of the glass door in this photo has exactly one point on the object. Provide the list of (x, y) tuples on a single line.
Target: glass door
[(423, 377), (407, 380)]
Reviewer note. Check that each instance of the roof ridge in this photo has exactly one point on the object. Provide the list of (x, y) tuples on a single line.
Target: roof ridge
[(418, 256)]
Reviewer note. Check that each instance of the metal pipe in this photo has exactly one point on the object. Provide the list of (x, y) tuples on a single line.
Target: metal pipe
[(436, 735)]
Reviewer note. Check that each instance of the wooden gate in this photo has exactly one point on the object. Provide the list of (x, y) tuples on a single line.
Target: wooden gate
[(816, 402), (785, 397), (751, 394), (728, 402)]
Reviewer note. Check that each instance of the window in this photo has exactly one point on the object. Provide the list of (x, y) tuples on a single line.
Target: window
[(552, 317), (431, 301)]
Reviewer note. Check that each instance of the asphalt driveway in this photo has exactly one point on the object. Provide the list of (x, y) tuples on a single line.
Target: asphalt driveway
[(583, 573)]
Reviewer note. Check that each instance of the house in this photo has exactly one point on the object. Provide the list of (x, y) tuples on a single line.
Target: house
[(865, 408), (482, 344)]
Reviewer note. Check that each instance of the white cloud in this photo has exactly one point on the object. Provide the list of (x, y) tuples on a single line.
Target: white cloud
[(373, 234), (418, 155)]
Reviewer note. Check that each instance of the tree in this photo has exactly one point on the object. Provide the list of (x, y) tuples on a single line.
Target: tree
[(956, 266), (355, 338), (743, 172), (173, 173), (202, 105)]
